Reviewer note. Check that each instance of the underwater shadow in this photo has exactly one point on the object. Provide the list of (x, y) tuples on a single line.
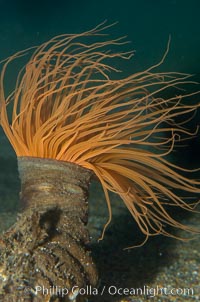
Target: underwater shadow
[(133, 268)]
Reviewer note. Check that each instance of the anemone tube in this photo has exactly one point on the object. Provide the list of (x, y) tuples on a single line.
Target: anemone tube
[(71, 121)]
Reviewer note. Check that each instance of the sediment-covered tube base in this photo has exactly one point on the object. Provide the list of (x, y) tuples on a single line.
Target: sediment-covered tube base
[(48, 245)]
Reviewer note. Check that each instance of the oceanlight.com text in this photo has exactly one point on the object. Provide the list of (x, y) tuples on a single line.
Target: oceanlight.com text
[(114, 291)]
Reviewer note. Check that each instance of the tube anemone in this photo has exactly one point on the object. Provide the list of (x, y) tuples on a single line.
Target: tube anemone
[(67, 108)]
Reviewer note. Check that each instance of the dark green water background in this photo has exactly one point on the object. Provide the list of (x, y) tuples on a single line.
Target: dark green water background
[(147, 24)]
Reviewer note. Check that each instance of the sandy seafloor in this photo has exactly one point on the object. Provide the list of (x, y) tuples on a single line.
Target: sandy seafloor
[(162, 262)]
